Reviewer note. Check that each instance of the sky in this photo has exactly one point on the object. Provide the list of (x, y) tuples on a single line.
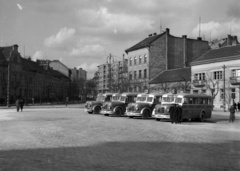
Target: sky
[(83, 33)]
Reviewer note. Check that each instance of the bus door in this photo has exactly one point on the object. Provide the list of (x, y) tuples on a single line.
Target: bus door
[(185, 110)]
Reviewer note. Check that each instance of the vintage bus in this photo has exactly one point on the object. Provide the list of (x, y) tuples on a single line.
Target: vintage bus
[(144, 105), (194, 106)]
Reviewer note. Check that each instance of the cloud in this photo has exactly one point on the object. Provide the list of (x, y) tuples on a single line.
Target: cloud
[(217, 30), (60, 38), (87, 50), (234, 10), (38, 55), (19, 7), (90, 68)]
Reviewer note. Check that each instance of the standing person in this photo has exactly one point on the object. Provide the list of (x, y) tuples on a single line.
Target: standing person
[(174, 113), (232, 114), (21, 103), (179, 114), (171, 111), (238, 104), (235, 106), (67, 101), (17, 105)]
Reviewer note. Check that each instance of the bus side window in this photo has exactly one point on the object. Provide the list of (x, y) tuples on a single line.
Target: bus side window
[(190, 100), (186, 101), (195, 100), (200, 100)]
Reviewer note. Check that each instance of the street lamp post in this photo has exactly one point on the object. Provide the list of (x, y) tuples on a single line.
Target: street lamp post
[(224, 98)]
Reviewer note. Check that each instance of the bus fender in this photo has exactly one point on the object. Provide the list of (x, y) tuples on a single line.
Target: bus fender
[(146, 108)]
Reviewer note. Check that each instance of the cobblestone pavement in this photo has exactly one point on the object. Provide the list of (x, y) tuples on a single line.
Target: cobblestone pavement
[(67, 138)]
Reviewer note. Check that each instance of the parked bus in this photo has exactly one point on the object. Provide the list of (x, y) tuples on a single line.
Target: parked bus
[(144, 105), (194, 106)]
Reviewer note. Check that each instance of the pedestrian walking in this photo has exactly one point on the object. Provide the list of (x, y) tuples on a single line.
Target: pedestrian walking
[(232, 114), (17, 105), (174, 113), (21, 103), (238, 105)]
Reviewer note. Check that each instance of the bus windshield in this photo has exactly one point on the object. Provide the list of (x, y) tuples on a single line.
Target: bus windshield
[(178, 100), (149, 99), (141, 98), (116, 97), (169, 98), (122, 98)]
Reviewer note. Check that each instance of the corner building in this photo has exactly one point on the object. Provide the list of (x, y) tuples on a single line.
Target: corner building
[(158, 53)]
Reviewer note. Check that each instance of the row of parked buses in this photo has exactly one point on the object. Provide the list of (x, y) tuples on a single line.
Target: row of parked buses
[(152, 105)]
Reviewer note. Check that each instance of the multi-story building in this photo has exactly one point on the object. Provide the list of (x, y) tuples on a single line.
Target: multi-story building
[(78, 74), (217, 73), (28, 79), (112, 76), (55, 65), (160, 52)]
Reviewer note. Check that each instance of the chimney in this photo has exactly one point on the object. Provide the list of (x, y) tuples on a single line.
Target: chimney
[(150, 35), (154, 34), (229, 41), (15, 47), (184, 50), (167, 30), (123, 57), (199, 38)]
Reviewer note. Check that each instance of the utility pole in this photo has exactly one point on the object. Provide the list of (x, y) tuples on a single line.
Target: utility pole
[(224, 98)]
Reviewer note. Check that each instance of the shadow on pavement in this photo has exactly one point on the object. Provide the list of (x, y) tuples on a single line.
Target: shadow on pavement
[(135, 156)]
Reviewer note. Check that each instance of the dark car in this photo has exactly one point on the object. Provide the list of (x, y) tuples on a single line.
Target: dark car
[(95, 106), (144, 105), (118, 107)]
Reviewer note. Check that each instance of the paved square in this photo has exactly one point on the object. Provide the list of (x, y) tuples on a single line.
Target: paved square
[(67, 138)]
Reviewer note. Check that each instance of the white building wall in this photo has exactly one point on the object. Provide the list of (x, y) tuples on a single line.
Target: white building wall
[(209, 69)]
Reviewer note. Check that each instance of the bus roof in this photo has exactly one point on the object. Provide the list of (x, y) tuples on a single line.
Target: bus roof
[(192, 95), (155, 94), (130, 94)]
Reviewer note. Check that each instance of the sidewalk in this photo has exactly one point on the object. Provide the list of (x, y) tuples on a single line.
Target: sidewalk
[(81, 105)]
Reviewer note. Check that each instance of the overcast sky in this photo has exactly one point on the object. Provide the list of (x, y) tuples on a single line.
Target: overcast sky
[(82, 33)]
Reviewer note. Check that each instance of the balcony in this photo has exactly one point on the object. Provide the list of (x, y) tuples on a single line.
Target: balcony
[(234, 80), (199, 83)]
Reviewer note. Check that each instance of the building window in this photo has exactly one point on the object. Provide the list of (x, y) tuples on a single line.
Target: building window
[(130, 62), (236, 73), (195, 91), (130, 75), (217, 75), (145, 73), (140, 74), (199, 76), (140, 59), (135, 60), (135, 74), (145, 58)]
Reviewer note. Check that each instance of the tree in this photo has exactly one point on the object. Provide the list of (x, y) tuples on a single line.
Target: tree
[(212, 85)]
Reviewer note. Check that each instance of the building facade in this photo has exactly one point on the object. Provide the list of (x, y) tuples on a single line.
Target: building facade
[(112, 76), (55, 65), (29, 80), (217, 73), (160, 52), (78, 74)]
